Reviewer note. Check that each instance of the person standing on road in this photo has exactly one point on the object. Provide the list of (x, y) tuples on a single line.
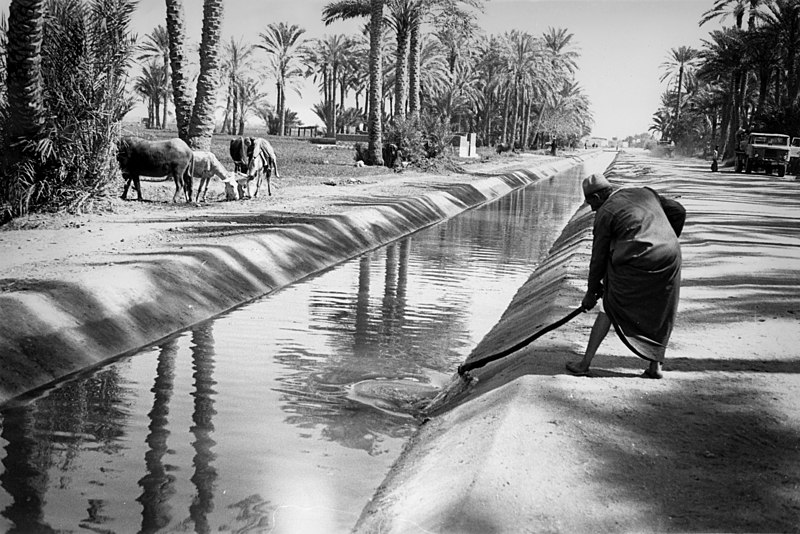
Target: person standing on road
[(715, 159), (635, 268)]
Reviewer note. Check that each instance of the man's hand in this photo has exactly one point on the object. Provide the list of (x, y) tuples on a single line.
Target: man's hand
[(589, 301)]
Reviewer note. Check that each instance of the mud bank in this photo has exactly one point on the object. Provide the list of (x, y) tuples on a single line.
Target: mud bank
[(713, 447), (56, 326)]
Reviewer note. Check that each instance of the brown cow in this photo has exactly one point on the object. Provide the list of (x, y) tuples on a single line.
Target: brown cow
[(240, 153), (157, 159)]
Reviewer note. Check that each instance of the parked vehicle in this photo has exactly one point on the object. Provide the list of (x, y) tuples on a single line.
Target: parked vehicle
[(794, 156), (763, 151)]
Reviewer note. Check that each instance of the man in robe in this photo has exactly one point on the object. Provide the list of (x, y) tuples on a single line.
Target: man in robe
[(635, 268)]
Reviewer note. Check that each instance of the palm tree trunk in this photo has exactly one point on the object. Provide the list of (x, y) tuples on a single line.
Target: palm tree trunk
[(179, 65), (166, 106), (526, 125), (282, 108), (333, 100), (24, 68), (226, 119), (201, 127), (678, 101), (505, 116), (375, 144), (400, 74), (415, 47), (515, 123)]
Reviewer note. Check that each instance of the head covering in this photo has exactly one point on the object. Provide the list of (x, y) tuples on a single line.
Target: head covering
[(595, 183)]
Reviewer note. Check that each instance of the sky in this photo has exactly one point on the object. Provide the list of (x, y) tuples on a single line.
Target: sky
[(622, 43)]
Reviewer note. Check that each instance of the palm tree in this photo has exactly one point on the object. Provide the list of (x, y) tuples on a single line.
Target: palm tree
[(235, 67), (737, 8), (249, 99), (680, 61), (375, 144), (563, 54), (152, 84), (179, 65), (722, 62), (25, 89), (326, 58), (283, 44), (201, 127), (156, 46)]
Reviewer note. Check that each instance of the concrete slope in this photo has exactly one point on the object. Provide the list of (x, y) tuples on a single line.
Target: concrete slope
[(52, 328)]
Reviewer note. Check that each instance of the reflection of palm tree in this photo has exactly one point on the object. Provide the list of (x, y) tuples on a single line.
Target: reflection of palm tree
[(389, 293), (22, 479), (362, 305), (157, 484), (205, 475)]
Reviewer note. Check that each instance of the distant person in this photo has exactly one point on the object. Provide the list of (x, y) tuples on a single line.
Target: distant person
[(553, 147), (635, 268), (714, 159)]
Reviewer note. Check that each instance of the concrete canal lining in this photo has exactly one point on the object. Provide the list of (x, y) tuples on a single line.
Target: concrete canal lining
[(53, 328)]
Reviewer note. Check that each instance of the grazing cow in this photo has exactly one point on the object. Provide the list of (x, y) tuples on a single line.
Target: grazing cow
[(206, 166), (157, 159), (239, 152), (262, 163), (503, 147)]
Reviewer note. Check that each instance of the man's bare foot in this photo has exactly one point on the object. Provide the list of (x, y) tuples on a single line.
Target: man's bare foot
[(577, 369), (654, 371)]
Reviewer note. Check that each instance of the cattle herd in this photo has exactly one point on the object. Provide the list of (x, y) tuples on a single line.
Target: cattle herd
[(254, 159)]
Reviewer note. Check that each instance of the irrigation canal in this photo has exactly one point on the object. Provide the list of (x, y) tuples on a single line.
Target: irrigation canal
[(268, 418)]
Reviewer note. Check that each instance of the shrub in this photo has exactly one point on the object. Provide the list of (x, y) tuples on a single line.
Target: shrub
[(85, 54)]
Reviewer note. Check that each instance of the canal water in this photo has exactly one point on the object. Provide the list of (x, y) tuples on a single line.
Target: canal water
[(255, 421)]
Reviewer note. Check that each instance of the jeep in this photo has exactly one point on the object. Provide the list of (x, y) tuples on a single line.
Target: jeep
[(763, 151)]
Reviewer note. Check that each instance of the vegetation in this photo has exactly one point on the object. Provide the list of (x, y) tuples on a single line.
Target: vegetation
[(741, 79), (419, 71)]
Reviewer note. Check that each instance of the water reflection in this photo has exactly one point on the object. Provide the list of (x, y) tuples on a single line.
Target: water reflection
[(158, 485), (45, 440), (22, 477), (243, 421), (203, 418)]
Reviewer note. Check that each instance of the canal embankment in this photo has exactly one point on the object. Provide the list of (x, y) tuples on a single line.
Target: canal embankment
[(527, 447), (66, 312)]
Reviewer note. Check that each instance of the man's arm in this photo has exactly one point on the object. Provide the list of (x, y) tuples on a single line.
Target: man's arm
[(601, 249)]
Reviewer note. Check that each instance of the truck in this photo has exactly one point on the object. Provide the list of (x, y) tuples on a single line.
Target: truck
[(794, 156), (763, 151)]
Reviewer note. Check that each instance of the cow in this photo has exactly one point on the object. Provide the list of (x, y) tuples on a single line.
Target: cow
[(503, 147), (239, 152), (157, 159), (262, 162), (206, 166)]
